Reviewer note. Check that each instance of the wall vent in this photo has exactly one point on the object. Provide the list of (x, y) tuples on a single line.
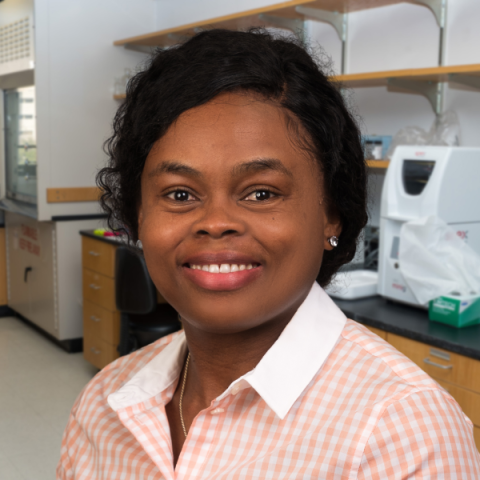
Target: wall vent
[(16, 46)]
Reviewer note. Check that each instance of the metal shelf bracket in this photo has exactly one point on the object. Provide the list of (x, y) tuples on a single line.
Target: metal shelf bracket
[(293, 24), (438, 7), (433, 91), (178, 37), (336, 19), (339, 22), (468, 80), (139, 48)]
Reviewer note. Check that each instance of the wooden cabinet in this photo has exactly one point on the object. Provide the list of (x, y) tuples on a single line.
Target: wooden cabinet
[(3, 268), (459, 375), (101, 319), (98, 256), (440, 364), (468, 400), (99, 289)]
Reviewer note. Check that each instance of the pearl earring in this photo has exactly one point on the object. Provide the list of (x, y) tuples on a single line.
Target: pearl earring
[(333, 241)]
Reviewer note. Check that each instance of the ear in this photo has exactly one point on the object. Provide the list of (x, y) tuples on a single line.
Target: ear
[(333, 227)]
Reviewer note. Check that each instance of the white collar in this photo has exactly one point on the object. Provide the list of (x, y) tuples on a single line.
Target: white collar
[(281, 375)]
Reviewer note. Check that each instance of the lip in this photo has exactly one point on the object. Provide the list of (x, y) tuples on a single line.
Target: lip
[(222, 281)]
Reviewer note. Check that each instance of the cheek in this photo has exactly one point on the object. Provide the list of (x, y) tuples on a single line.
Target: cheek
[(295, 236), (160, 234)]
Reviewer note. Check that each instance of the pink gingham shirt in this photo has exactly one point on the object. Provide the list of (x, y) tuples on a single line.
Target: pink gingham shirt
[(329, 400)]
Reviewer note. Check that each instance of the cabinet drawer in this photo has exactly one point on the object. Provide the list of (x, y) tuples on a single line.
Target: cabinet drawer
[(440, 364), (469, 401), (377, 331), (98, 256), (98, 352), (101, 323), (99, 289)]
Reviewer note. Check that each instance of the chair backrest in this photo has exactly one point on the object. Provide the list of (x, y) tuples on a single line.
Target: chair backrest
[(134, 289)]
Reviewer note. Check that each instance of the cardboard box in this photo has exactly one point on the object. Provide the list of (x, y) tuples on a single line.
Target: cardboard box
[(456, 311)]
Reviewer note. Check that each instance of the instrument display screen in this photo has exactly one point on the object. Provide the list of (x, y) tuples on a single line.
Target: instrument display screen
[(416, 174)]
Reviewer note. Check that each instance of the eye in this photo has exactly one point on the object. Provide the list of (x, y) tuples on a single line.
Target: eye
[(181, 196), (260, 195)]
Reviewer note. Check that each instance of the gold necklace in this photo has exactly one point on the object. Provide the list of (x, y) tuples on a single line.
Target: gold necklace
[(180, 403)]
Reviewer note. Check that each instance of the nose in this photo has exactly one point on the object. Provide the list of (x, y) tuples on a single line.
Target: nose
[(218, 220)]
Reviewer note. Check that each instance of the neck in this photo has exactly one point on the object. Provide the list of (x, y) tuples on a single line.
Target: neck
[(217, 360)]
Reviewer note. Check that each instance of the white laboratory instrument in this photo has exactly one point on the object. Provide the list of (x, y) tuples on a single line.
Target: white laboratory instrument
[(423, 181), (354, 284)]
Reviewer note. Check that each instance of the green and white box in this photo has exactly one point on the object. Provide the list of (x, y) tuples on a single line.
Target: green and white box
[(457, 311)]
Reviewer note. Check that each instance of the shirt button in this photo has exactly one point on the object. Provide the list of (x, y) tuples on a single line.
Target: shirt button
[(217, 410)]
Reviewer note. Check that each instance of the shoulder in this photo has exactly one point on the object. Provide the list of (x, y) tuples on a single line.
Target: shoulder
[(371, 372), (409, 420), (382, 358)]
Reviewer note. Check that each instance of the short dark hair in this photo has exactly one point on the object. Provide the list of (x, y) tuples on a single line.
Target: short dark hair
[(216, 61)]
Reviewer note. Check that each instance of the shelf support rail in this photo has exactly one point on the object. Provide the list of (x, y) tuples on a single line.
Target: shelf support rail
[(433, 91), (339, 21), (439, 9), (293, 24)]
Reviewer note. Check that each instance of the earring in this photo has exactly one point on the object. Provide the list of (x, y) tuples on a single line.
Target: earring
[(333, 241)]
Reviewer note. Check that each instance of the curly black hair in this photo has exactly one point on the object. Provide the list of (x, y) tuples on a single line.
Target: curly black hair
[(216, 61)]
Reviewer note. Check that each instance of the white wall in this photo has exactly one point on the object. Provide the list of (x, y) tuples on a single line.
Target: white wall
[(75, 69), (171, 14), (77, 65)]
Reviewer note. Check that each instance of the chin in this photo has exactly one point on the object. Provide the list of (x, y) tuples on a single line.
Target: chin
[(226, 319)]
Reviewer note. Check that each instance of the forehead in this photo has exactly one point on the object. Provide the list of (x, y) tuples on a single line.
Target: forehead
[(232, 127)]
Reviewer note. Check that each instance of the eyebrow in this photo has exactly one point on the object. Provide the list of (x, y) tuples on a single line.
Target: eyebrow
[(169, 166), (261, 164), (252, 166)]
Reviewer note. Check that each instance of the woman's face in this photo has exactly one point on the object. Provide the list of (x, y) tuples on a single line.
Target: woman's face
[(232, 216)]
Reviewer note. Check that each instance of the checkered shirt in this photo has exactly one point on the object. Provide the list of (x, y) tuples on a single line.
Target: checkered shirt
[(329, 400)]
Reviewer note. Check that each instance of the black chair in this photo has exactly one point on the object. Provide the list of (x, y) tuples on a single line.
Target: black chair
[(143, 320)]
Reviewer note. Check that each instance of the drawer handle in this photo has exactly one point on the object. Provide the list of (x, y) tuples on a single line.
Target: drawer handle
[(95, 351), (94, 318), (94, 287), (433, 364), (93, 253)]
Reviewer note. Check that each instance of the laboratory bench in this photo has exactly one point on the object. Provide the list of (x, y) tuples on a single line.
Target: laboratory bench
[(451, 356), (101, 319)]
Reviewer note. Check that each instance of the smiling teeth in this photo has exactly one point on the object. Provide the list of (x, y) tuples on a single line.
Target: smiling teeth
[(223, 268)]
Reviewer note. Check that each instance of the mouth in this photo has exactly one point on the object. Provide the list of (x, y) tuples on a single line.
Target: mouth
[(223, 268), (222, 274)]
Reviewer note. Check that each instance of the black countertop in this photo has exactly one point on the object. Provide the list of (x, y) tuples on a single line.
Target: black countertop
[(117, 240), (412, 323)]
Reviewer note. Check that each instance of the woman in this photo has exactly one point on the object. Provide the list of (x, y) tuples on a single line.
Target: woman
[(236, 163)]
